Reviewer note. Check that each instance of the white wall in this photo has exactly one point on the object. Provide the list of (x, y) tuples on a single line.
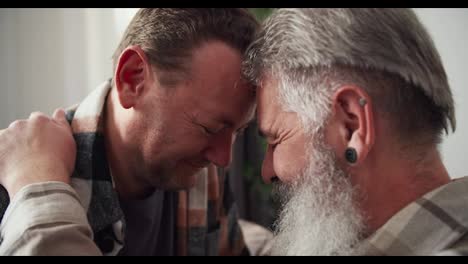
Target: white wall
[(26, 40), (449, 29), (54, 57)]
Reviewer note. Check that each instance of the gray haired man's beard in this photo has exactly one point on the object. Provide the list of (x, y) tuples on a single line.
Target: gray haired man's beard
[(318, 215)]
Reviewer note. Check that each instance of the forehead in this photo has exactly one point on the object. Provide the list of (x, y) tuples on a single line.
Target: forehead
[(216, 84), (268, 104)]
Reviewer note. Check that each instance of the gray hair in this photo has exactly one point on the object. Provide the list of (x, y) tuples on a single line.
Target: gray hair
[(387, 52)]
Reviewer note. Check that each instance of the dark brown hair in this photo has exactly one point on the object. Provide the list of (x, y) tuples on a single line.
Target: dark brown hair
[(169, 35)]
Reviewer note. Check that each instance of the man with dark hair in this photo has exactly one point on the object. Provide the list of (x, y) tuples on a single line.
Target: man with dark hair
[(147, 142)]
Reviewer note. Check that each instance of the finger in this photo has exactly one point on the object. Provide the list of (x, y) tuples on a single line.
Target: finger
[(17, 124), (38, 116), (59, 116)]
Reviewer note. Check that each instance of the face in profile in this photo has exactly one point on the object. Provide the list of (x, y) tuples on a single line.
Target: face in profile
[(318, 213)]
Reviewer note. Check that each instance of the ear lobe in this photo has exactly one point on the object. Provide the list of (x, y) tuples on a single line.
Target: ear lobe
[(130, 76), (355, 108)]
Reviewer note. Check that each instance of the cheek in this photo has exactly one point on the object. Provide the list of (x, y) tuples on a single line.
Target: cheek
[(179, 145)]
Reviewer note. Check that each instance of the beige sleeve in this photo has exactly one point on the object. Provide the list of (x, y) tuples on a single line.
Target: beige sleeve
[(46, 219)]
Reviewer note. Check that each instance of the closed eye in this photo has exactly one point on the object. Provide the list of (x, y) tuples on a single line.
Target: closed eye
[(241, 131), (207, 131)]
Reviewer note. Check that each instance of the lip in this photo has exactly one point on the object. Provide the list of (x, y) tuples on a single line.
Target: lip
[(198, 165)]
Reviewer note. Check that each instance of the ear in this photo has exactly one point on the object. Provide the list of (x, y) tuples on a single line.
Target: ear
[(132, 73), (353, 116)]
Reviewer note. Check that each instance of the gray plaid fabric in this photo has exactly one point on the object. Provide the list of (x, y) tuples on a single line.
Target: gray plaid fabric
[(435, 224)]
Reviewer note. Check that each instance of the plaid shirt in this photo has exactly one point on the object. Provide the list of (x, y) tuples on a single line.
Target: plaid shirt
[(206, 221), (435, 224)]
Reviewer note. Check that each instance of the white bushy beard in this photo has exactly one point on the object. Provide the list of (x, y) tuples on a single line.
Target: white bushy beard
[(319, 215)]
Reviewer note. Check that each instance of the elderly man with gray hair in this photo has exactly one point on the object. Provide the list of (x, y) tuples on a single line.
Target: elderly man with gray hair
[(353, 104)]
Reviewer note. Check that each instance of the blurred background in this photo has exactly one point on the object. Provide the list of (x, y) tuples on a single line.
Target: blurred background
[(53, 58)]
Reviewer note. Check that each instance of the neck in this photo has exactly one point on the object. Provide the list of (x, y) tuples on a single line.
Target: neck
[(394, 181), (119, 154)]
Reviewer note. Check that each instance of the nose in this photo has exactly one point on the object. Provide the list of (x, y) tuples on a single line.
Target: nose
[(268, 171), (219, 151)]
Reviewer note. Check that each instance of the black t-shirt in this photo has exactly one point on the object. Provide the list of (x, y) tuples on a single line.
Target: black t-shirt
[(150, 225)]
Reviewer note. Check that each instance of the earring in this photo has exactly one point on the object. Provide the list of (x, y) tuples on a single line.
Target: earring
[(362, 101), (351, 155)]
